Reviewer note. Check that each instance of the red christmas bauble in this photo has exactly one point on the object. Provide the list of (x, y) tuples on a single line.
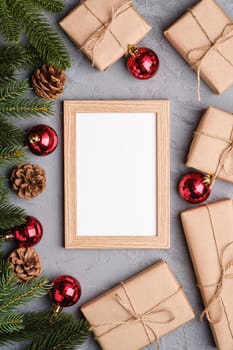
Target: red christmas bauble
[(66, 291), (193, 189), (143, 63), (42, 140), (30, 233)]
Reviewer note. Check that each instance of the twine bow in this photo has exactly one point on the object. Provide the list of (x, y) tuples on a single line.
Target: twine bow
[(97, 37), (219, 286), (145, 318), (226, 154), (198, 56)]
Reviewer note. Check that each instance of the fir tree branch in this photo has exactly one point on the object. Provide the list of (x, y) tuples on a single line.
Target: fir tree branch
[(11, 216), (11, 155), (38, 329), (26, 108), (41, 34), (3, 190), (17, 57), (9, 25), (24, 292), (53, 6), (7, 80), (13, 56), (32, 56), (15, 90), (73, 335), (10, 135), (8, 282), (10, 323)]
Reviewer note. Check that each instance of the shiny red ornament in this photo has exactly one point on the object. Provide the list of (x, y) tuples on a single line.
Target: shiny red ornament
[(193, 189), (28, 234), (66, 291), (142, 62), (42, 140)]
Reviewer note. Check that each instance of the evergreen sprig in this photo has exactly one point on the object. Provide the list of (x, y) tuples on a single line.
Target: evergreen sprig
[(11, 155), (11, 216), (16, 57), (65, 334), (9, 25), (12, 58), (40, 33), (53, 6), (11, 323), (13, 91), (14, 294), (26, 108), (13, 103), (3, 190), (73, 334), (10, 135)]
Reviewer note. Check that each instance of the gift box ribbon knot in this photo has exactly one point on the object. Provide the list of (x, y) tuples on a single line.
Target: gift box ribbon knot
[(145, 318), (98, 36), (225, 156), (198, 56), (219, 285)]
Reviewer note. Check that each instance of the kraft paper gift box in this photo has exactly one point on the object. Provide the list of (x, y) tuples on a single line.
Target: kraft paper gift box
[(209, 234), (204, 38), (103, 29), (138, 311), (211, 150)]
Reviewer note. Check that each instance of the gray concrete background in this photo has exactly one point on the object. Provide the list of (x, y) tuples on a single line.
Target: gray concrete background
[(99, 270)]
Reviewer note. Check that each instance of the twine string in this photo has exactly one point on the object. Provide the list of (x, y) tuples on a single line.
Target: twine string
[(98, 36), (146, 318), (198, 56), (225, 155), (225, 267)]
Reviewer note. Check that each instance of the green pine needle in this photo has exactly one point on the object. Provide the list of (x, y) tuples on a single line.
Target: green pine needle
[(7, 80), (10, 135), (73, 334), (15, 90), (24, 292), (10, 323), (65, 334), (53, 6), (9, 25), (26, 108), (11, 155), (12, 57), (3, 190), (41, 34), (11, 216)]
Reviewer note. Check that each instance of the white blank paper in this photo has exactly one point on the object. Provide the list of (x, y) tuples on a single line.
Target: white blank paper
[(116, 174)]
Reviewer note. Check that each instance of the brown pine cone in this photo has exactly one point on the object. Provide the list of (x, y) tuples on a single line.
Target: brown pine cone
[(48, 81), (26, 263), (28, 180)]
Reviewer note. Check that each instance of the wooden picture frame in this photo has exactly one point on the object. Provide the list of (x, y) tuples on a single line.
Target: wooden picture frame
[(160, 110)]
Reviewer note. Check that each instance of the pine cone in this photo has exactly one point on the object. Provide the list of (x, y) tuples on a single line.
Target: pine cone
[(26, 263), (28, 180), (48, 81)]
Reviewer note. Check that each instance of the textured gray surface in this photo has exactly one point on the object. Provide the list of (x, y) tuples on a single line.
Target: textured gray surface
[(100, 270)]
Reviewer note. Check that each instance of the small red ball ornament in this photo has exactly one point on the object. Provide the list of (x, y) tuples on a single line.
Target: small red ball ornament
[(195, 188), (66, 291), (42, 140), (28, 234), (142, 62)]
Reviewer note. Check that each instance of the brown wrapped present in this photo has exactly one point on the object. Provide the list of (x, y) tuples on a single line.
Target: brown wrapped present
[(139, 311), (204, 38), (104, 29), (211, 150), (209, 234)]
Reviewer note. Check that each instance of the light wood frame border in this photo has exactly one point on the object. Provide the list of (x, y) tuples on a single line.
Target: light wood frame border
[(162, 239)]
